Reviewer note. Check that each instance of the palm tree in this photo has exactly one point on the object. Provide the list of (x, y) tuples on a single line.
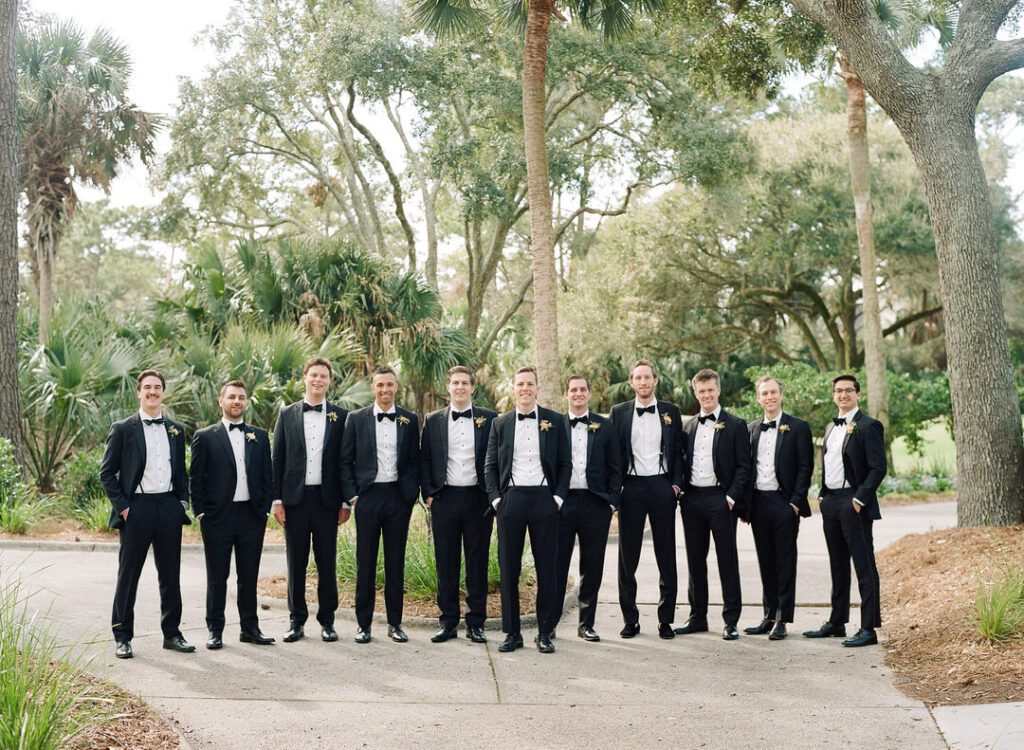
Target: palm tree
[(10, 404), (75, 125)]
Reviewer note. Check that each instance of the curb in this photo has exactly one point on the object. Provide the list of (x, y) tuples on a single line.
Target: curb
[(91, 546)]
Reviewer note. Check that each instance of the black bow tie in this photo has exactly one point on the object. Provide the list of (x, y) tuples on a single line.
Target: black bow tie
[(531, 415), (158, 420), (768, 425), (468, 414), (239, 426), (381, 416), (839, 421), (309, 407), (706, 417), (641, 410), (573, 421)]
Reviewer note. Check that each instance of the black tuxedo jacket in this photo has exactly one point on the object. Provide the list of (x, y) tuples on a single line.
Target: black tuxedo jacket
[(730, 453), (434, 448), (863, 459), (290, 456), (359, 453), (604, 461), (124, 461), (622, 417), (213, 475), (555, 453), (794, 459)]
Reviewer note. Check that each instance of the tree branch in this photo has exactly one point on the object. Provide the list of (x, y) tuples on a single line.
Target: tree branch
[(909, 319), (492, 335), (999, 58)]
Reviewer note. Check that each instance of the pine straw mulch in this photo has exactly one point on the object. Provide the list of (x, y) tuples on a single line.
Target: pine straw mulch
[(929, 585), (132, 724)]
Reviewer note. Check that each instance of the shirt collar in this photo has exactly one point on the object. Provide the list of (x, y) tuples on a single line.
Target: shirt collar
[(716, 413), (777, 419), (532, 411), (143, 415), (378, 410), (638, 405), (850, 414), (585, 414), (227, 423)]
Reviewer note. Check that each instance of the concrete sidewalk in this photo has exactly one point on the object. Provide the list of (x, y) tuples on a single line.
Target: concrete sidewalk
[(693, 691)]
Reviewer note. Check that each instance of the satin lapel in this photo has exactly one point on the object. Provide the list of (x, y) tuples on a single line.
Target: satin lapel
[(329, 424), (222, 438), (510, 439), (543, 442), (371, 430), (755, 439), (139, 435), (691, 436), (590, 440), (299, 426), (848, 435), (627, 425), (248, 451), (779, 437), (401, 433), (715, 438), (445, 416), (666, 432)]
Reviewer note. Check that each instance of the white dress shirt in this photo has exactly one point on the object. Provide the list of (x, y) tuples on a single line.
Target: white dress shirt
[(579, 438), (156, 476), (314, 427), (645, 436), (835, 472), (527, 470), (461, 467), (765, 479), (702, 469), (237, 439), (387, 445)]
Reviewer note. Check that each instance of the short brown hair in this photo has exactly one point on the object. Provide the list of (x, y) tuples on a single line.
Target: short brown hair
[(643, 363), (765, 379), (528, 368), (150, 374), (318, 362), (851, 378), (383, 370), (577, 376), (233, 384), (706, 374), (461, 370)]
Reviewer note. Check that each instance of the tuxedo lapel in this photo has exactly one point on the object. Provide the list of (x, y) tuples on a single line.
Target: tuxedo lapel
[(443, 437), (224, 440), (328, 424), (401, 431), (755, 439), (828, 431), (848, 435), (590, 441), (139, 437), (779, 437), (371, 432), (298, 425)]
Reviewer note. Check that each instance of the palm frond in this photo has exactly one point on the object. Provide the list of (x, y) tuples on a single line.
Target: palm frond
[(447, 18)]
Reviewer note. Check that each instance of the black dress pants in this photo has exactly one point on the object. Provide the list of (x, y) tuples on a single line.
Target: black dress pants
[(775, 526), (706, 514), (533, 510), (241, 530), (460, 519), (311, 520), (848, 536), (643, 498), (587, 516), (381, 513)]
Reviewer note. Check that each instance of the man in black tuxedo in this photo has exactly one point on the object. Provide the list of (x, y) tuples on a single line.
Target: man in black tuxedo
[(452, 453), (595, 486), (232, 484), (528, 466), (782, 455), (143, 474), (650, 443), (380, 478), (308, 496), (717, 472), (853, 466)]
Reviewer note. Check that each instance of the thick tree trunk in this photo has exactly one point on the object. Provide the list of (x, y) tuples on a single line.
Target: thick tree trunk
[(545, 305), (10, 403), (860, 185)]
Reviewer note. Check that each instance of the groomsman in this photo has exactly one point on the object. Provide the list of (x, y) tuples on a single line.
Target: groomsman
[(143, 474), (783, 458), (853, 458), (232, 484), (452, 453), (380, 475), (717, 470), (594, 489), (308, 496), (527, 471), (650, 443)]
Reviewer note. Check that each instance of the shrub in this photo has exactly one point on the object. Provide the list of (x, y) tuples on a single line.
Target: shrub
[(80, 484), (94, 515), (20, 504), (999, 608)]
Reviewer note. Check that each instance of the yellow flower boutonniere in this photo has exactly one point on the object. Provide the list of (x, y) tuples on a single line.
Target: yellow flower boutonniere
[(403, 420), (251, 437), (480, 421), (719, 425), (666, 418), (594, 426), (333, 416), (783, 428), (851, 428), (173, 431), (545, 425)]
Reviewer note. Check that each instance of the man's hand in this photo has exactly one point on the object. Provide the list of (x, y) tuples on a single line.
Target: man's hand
[(429, 501), (856, 506), (200, 516), (676, 490), (278, 512), (343, 515), (124, 514)]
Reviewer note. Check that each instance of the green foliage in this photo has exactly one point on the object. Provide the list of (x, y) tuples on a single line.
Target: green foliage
[(999, 607), (79, 484), (94, 514), (20, 504)]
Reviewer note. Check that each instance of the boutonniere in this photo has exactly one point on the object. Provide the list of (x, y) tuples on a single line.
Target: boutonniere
[(251, 437), (403, 420), (666, 418), (783, 428), (173, 431), (333, 416), (719, 425), (545, 425), (851, 428), (480, 421), (594, 426)]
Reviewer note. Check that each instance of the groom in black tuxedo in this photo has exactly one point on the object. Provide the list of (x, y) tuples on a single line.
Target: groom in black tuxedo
[(143, 474), (232, 484), (527, 469), (308, 496)]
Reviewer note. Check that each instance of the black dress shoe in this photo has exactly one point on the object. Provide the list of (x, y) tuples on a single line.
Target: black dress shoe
[(511, 643), (730, 633), (863, 637), (827, 630), (778, 632), (214, 642), (665, 631), (328, 634), (631, 630), (692, 626), (123, 650), (476, 635), (544, 644), (255, 636), (362, 636), (765, 627), (295, 633), (398, 635), (179, 644), (443, 634), (551, 635), (587, 633)]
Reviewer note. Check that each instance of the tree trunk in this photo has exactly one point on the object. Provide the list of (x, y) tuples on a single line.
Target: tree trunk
[(545, 304), (860, 185), (10, 403)]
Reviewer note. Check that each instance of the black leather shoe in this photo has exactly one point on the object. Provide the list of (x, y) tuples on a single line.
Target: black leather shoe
[(328, 634), (476, 635), (765, 627), (544, 644), (827, 630), (587, 633), (179, 644), (692, 626), (362, 636), (295, 633), (123, 650), (862, 638), (631, 630), (665, 631), (443, 634), (255, 636), (778, 632), (511, 643), (551, 635), (214, 642), (730, 633), (398, 635)]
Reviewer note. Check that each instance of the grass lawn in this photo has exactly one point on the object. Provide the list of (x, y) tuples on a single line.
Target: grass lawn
[(939, 453)]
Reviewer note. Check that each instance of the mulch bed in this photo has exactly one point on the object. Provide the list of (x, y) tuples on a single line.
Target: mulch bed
[(133, 726), (929, 585), (62, 529)]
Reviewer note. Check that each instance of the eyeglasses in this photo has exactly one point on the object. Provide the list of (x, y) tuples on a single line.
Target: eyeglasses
[(844, 390)]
